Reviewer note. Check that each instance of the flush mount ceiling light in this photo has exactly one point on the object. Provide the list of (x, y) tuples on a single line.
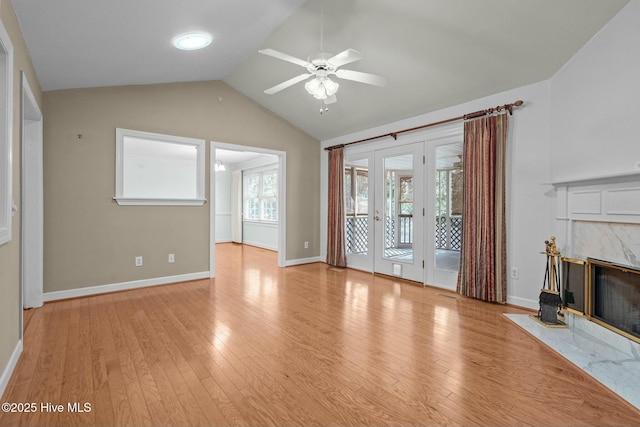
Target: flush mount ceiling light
[(193, 40)]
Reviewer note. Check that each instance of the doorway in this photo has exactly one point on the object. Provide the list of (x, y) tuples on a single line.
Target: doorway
[(384, 205), (248, 198), (403, 209), (31, 212), (398, 212)]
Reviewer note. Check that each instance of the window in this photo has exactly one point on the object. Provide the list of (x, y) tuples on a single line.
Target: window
[(155, 169), (261, 195), (6, 120)]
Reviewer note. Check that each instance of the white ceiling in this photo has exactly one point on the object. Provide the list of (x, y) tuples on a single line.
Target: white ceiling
[(80, 43), (234, 157), (434, 53)]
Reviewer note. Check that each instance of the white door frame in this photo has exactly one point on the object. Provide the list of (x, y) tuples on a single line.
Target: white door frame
[(282, 199), (31, 199)]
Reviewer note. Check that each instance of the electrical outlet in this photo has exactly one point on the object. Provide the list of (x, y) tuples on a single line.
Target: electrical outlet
[(138, 261), (515, 273), (306, 245), (172, 258)]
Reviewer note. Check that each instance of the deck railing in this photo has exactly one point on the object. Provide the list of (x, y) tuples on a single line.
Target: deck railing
[(448, 232), (405, 237), (357, 234)]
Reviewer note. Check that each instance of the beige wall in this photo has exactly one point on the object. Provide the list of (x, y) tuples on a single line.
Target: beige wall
[(10, 252), (90, 240)]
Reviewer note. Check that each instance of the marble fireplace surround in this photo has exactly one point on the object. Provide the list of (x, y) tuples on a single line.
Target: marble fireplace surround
[(598, 217)]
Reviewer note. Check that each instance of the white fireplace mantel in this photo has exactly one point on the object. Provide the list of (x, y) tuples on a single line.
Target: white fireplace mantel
[(611, 198)]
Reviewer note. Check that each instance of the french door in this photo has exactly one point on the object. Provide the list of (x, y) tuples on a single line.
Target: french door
[(404, 209), (399, 211), (384, 201)]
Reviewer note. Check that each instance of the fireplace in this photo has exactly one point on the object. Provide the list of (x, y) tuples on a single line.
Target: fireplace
[(613, 297), (605, 292)]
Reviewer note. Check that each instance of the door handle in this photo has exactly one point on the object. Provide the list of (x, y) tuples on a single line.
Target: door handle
[(377, 217)]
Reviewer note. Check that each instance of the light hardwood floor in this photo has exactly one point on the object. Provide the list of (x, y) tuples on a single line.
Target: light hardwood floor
[(307, 345)]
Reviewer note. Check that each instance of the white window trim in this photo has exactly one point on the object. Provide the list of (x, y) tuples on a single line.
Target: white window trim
[(6, 141), (199, 200), (260, 171)]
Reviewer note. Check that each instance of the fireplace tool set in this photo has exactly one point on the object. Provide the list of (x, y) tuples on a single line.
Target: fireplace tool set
[(550, 301)]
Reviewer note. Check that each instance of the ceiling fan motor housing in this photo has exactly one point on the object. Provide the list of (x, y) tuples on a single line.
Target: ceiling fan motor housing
[(319, 62)]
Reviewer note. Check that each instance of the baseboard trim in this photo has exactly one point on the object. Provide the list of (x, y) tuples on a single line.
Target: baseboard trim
[(114, 287), (300, 261), (260, 245), (523, 302), (11, 365), (444, 287)]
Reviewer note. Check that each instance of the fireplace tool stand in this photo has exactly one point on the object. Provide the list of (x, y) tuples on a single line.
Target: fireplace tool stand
[(550, 301)]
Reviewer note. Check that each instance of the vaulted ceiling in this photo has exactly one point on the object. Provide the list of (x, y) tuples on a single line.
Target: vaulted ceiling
[(434, 53)]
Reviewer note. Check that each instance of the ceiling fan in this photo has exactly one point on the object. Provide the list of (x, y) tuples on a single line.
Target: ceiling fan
[(321, 66)]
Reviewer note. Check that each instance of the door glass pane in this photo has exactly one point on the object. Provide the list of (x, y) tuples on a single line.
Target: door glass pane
[(398, 207), (356, 194), (448, 206)]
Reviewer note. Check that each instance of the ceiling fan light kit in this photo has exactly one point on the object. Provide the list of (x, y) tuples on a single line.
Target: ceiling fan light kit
[(321, 87)]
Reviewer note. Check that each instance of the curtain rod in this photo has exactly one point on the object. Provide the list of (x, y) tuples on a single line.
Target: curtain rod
[(394, 135)]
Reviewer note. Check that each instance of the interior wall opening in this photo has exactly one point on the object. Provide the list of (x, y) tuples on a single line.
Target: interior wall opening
[(248, 200)]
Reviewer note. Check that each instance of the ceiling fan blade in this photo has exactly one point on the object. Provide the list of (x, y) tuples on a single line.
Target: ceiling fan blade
[(330, 100), (285, 57), (358, 76), (284, 85), (345, 57)]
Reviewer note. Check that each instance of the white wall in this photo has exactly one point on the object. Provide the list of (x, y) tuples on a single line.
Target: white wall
[(260, 234), (529, 201), (595, 103)]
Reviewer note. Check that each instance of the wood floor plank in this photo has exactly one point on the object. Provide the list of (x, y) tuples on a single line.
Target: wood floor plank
[(304, 345), (172, 406)]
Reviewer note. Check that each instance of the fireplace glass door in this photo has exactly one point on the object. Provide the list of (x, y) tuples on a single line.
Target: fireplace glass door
[(615, 297), (574, 282)]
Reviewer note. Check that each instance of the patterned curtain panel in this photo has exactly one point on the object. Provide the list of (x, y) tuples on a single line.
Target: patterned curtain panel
[(483, 266), (335, 227)]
